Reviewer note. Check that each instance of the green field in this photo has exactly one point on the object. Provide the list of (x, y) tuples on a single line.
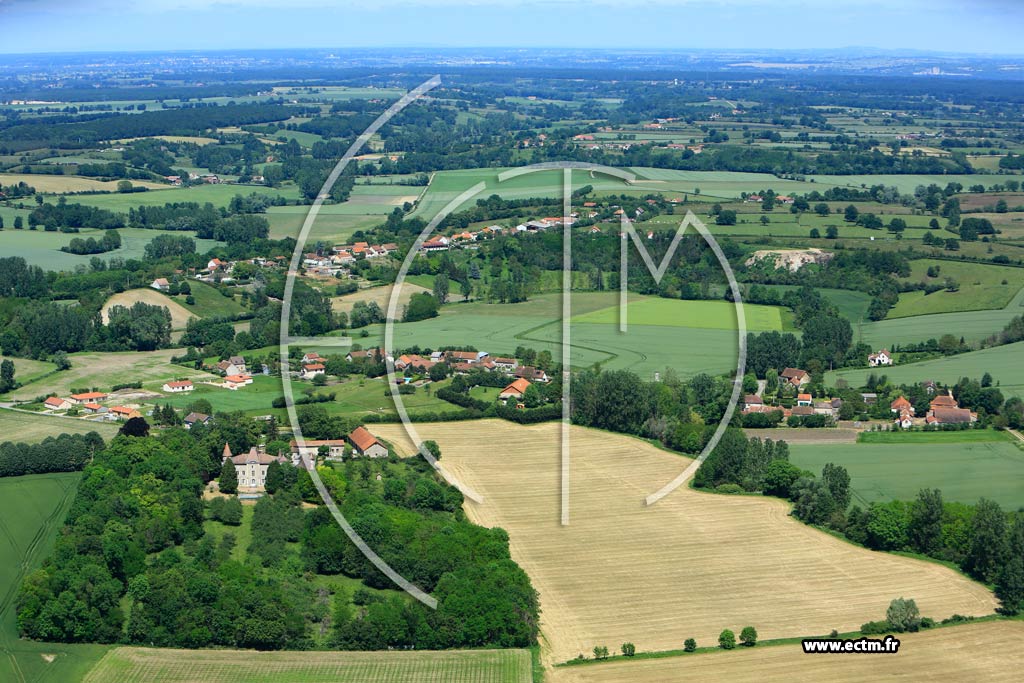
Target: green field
[(709, 345), (32, 509), (963, 471), (27, 370), (1003, 362), (17, 425), (142, 665), (715, 315), (210, 303), (981, 288), (972, 325), (42, 248), (218, 195), (959, 436), (254, 398)]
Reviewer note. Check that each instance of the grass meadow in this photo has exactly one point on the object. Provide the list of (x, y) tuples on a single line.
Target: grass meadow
[(982, 286), (32, 510), (42, 248), (22, 426), (963, 471)]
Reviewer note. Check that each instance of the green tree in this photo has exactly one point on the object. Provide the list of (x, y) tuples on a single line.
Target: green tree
[(925, 530), (532, 397), (726, 217), (690, 645), (988, 541), (274, 478), (1010, 586), (748, 636), (850, 214), (601, 652), (228, 479), (903, 615), (231, 513), (628, 649), (814, 234), (831, 232), (727, 640), (7, 376), (441, 288)]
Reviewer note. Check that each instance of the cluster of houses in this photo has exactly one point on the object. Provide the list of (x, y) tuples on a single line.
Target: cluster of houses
[(942, 410), (234, 371), (251, 466), (312, 365), (779, 198), (342, 256), (805, 406), (90, 403), (460, 362)]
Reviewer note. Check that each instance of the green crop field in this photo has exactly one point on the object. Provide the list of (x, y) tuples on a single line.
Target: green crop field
[(971, 325), (644, 348), (336, 226), (218, 195), (23, 426), (42, 248), (964, 472), (716, 315), (254, 398), (32, 509), (1003, 362), (143, 665), (981, 287), (905, 183), (958, 436), (210, 303)]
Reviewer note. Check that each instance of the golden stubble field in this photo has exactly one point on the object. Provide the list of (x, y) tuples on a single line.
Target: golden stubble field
[(179, 314), (689, 566), (990, 652), (381, 295)]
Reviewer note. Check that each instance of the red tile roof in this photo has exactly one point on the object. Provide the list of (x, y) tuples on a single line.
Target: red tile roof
[(362, 439)]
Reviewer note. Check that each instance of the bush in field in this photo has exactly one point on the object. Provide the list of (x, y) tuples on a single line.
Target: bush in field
[(748, 636), (727, 640), (690, 645)]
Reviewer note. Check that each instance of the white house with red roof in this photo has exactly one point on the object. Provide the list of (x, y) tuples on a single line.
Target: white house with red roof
[(883, 357), (178, 386)]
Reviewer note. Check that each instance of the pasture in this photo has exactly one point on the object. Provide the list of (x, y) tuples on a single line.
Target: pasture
[(1004, 362), (981, 287), (989, 651), (103, 370), (144, 665), (32, 510), (179, 314), (41, 248), (963, 471), (27, 370), (23, 426), (688, 566), (380, 295), (219, 195), (715, 315), (254, 398), (210, 302)]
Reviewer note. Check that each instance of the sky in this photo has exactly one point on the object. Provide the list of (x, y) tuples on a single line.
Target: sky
[(979, 26)]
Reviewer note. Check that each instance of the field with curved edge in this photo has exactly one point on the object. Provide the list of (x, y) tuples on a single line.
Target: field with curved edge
[(990, 651), (179, 314), (1003, 362), (688, 566), (145, 665)]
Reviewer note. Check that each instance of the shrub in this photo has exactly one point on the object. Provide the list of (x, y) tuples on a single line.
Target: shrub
[(875, 628), (727, 640), (729, 488), (690, 645), (600, 652), (903, 615), (628, 649), (748, 636)]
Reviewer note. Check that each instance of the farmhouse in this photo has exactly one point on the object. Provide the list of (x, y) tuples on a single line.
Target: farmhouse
[(229, 368), (310, 448), (312, 370), (124, 412), (533, 374), (196, 418), (55, 403), (365, 354), (505, 364), (179, 386), (239, 364), (945, 416), (88, 397), (251, 467), (900, 405), (161, 284), (880, 358), (312, 357), (795, 376), (943, 401), (804, 400), (517, 389), (235, 381), (905, 419), (751, 400), (365, 443), (413, 361), (464, 356), (94, 408)]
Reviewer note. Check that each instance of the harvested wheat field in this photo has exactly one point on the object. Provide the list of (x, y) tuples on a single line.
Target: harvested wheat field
[(689, 566), (382, 295), (179, 314), (990, 652), (147, 665)]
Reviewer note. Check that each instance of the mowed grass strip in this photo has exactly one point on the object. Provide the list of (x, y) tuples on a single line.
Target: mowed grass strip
[(964, 471), (688, 566), (990, 651), (145, 665), (716, 315)]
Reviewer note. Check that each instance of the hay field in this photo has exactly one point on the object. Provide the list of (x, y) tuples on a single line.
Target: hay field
[(382, 295), (990, 652), (103, 370), (23, 426), (144, 665), (179, 314), (689, 566), (59, 184)]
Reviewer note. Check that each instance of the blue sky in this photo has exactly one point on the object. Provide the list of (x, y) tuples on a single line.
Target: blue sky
[(989, 26)]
